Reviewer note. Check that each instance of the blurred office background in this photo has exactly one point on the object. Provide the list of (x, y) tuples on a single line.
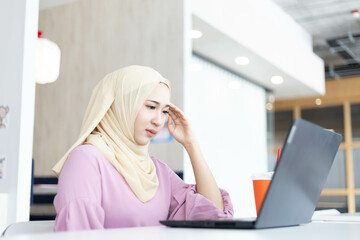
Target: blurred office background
[(335, 30), (221, 76)]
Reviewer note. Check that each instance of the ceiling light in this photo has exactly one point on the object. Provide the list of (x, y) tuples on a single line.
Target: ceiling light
[(318, 101), (195, 67), (194, 34), (234, 84), (355, 13), (277, 79), (242, 60)]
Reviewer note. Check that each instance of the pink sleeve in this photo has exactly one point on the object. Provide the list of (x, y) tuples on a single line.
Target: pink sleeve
[(78, 201), (187, 204)]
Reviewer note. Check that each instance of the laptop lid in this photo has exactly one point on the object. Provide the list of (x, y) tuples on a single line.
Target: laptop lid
[(305, 161)]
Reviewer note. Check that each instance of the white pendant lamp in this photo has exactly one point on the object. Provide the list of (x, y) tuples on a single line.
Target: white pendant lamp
[(47, 60)]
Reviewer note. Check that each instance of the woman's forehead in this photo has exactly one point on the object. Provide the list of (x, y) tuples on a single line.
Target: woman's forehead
[(160, 94)]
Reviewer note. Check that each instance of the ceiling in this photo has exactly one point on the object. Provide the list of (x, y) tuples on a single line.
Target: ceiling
[(335, 32)]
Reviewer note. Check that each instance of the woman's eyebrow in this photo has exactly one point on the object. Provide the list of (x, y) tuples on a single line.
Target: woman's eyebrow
[(157, 103)]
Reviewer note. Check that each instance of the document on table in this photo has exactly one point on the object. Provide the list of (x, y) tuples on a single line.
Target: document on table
[(333, 215)]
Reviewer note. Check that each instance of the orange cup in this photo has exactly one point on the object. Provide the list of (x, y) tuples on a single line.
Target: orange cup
[(261, 182)]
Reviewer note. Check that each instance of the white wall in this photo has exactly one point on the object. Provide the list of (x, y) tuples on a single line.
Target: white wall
[(18, 25), (231, 127)]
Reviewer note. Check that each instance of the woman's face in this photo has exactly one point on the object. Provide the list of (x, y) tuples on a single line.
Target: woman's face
[(152, 115)]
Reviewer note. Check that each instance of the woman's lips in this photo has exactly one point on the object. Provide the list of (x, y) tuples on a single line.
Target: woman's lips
[(150, 132)]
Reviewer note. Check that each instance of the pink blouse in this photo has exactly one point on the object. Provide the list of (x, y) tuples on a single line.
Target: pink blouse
[(93, 195)]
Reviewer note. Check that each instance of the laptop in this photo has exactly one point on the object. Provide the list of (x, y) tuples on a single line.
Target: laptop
[(305, 161)]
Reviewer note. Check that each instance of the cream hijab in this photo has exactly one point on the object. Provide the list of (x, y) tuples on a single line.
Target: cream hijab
[(109, 125)]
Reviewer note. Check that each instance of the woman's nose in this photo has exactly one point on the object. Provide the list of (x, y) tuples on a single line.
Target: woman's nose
[(157, 119)]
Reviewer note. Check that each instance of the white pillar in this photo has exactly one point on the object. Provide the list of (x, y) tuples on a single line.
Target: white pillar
[(18, 27)]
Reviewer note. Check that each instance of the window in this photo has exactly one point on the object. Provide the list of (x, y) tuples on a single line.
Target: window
[(228, 115), (336, 178), (283, 122), (355, 122), (327, 117)]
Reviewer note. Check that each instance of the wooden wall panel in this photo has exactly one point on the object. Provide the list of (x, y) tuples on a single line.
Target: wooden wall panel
[(336, 92)]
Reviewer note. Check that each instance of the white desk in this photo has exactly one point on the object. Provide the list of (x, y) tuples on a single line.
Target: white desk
[(318, 231)]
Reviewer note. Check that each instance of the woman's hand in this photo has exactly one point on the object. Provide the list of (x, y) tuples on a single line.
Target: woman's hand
[(205, 182), (181, 129)]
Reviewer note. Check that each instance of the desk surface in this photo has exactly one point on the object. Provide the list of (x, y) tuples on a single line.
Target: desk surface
[(329, 231)]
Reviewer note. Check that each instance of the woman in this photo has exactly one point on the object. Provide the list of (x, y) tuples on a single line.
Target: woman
[(107, 178)]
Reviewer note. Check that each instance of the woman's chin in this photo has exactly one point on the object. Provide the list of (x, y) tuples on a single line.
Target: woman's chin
[(143, 142)]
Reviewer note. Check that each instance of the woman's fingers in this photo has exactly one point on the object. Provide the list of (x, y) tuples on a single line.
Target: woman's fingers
[(170, 126), (178, 125), (177, 112), (172, 114)]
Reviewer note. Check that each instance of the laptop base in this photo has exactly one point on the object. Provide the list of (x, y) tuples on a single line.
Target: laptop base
[(211, 223)]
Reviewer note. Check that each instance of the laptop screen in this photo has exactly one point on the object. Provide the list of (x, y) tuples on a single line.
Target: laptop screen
[(306, 158)]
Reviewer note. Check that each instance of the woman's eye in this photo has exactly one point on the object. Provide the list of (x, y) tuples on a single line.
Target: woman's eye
[(165, 112), (150, 107)]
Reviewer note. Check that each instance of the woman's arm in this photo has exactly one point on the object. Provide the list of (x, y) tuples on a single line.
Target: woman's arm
[(205, 181), (79, 196)]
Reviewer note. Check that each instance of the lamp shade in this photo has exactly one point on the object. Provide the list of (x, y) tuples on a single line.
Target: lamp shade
[(47, 61)]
